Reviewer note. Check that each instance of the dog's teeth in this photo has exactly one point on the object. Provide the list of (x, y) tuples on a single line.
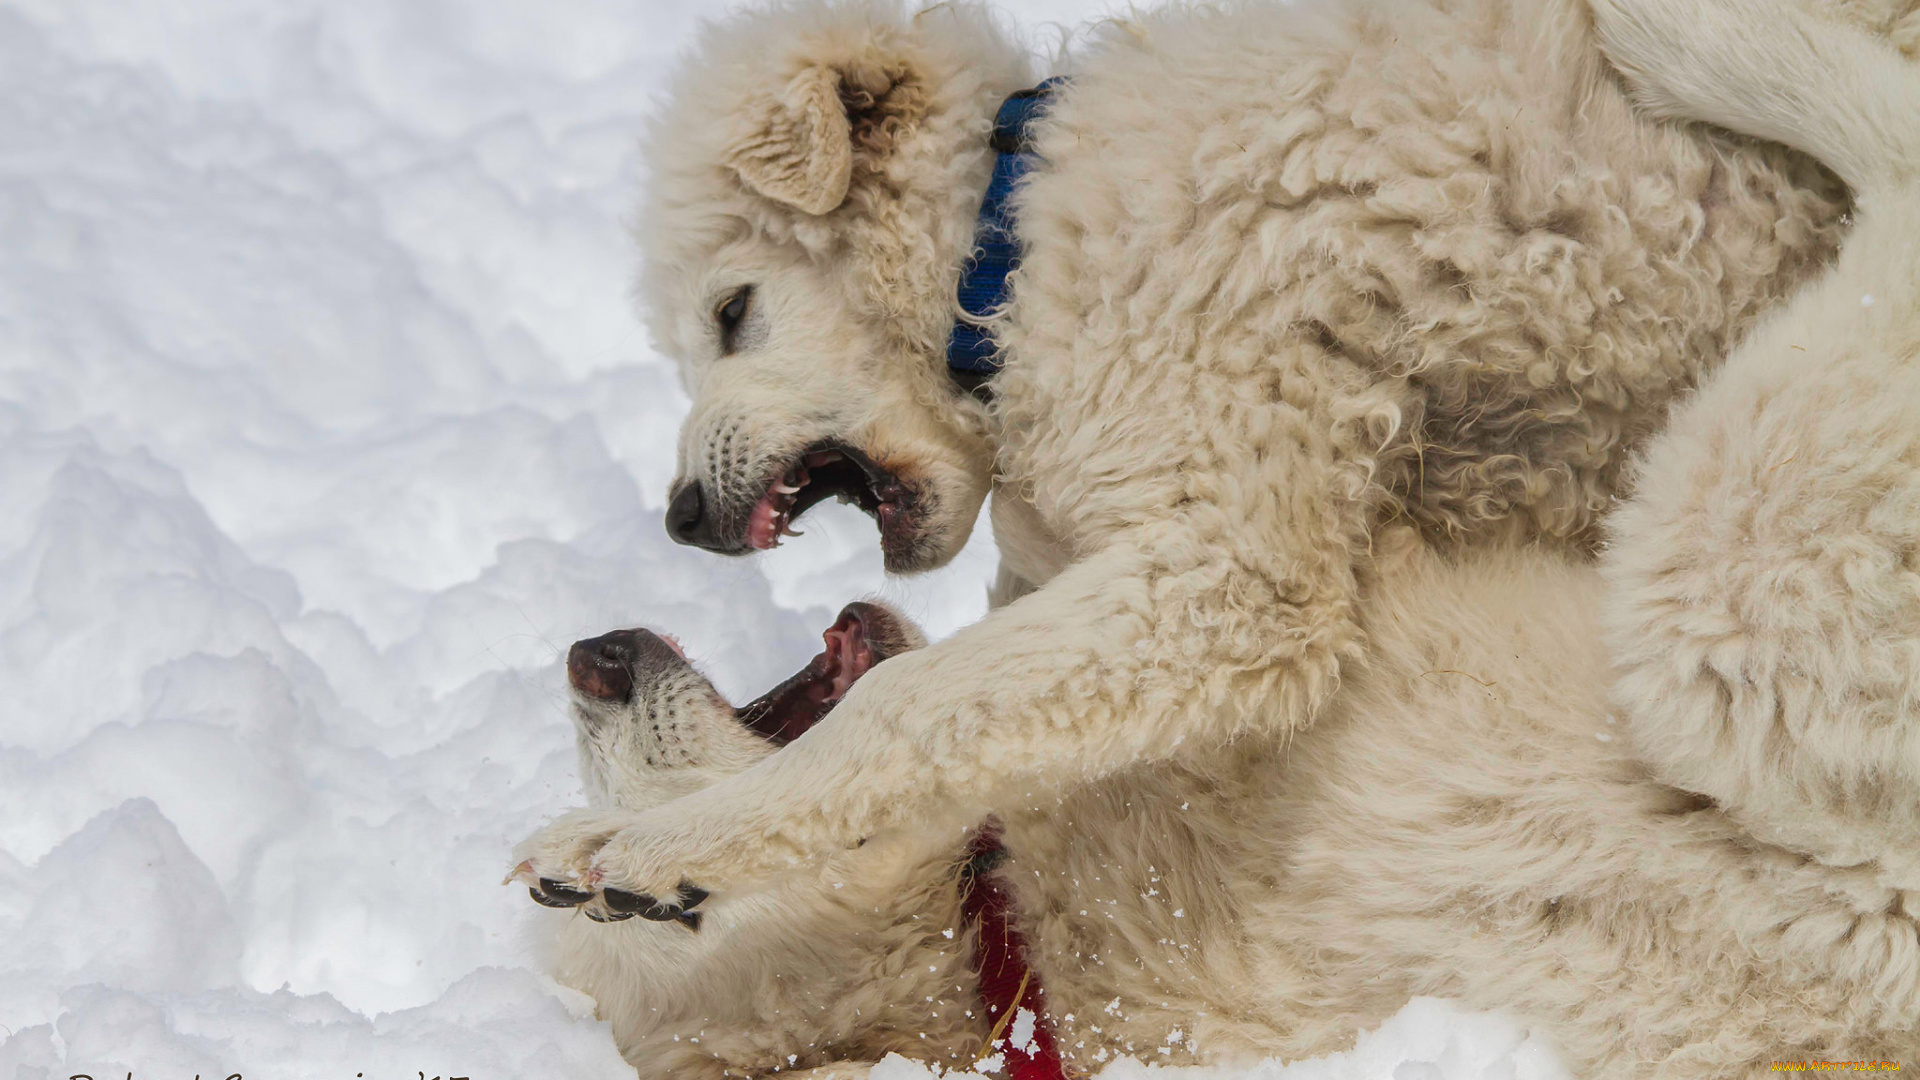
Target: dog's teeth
[(785, 488)]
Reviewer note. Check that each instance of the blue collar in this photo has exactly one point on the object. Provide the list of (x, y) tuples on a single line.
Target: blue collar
[(972, 357)]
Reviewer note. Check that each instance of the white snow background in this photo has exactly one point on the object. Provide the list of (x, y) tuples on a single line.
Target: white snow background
[(325, 426)]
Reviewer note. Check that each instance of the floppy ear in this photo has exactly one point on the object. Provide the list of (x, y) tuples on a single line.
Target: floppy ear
[(798, 149), (800, 140)]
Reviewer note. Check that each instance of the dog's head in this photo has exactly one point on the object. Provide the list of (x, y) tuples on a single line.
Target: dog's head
[(651, 728), (813, 182), (853, 959)]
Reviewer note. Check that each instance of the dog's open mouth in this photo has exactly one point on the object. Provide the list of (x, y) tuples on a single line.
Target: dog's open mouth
[(822, 470), (861, 637)]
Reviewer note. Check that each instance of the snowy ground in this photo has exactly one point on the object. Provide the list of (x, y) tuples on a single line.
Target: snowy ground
[(324, 426)]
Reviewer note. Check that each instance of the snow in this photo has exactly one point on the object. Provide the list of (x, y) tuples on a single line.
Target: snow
[(324, 427), (1429, 1039), (1020, 1036)]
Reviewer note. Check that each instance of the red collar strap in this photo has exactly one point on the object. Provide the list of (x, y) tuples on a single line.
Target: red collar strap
[(1007, 986)]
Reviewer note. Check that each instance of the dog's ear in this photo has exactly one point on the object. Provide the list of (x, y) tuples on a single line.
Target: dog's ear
[(803, 140), (798, 147)]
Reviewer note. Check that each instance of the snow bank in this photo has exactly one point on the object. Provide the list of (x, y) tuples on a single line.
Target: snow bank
[(324, 427), (1430, 1039)]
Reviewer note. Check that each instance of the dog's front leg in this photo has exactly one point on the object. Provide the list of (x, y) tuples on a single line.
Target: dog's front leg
[(1122, 658)]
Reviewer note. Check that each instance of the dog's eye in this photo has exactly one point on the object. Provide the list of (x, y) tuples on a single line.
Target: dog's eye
[(729, 315)]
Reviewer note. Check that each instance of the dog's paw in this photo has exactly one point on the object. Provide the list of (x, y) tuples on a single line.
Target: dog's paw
[(668, 862), (612, 905), (560, 867), (678, 908), (639, 870), (563, 851)]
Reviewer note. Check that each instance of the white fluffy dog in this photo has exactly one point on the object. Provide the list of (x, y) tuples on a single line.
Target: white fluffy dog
[(1722, 874), (1469, 819), (1289, 272), (867, 956), (1266, 304)]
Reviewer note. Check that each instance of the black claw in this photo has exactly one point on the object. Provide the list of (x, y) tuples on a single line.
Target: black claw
[(618, 916), (553, 894), (629, 903)]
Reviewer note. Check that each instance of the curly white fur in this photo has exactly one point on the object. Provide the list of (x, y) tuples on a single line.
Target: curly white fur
[(1767, 647), (1468, 819), (1289, 271), (1292, 273)]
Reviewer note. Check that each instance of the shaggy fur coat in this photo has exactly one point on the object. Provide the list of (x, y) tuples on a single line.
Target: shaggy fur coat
[(1324, 308)]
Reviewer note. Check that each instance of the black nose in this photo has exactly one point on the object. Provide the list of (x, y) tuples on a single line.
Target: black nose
[(602, 668), (687, 520)]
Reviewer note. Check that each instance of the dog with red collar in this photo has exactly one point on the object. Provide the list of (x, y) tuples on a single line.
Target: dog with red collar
[(905, 945), (1473, 819)]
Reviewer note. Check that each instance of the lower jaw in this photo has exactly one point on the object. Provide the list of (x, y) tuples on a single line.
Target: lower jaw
[(908, 554)]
